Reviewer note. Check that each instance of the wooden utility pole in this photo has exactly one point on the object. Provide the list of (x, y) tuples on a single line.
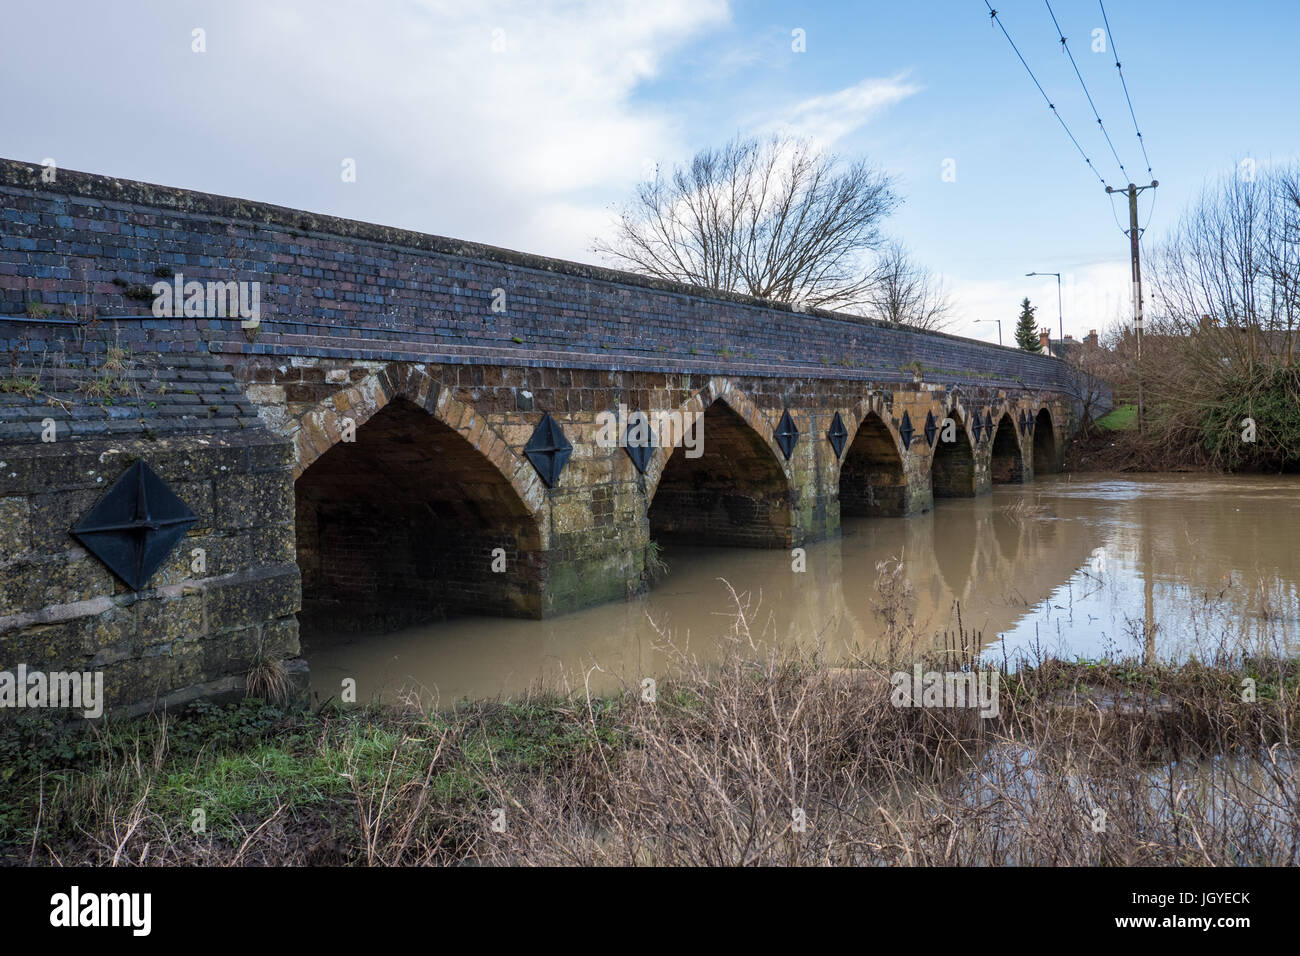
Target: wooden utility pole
[(1134, 234)]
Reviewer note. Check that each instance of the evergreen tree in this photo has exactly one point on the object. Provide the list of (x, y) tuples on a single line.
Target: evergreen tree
[(1027, 328)]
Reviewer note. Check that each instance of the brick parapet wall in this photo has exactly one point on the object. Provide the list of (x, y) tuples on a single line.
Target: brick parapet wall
[(335, 288)]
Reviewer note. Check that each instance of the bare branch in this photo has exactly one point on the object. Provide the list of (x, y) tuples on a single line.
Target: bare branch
[(770, 218), (904, 292)]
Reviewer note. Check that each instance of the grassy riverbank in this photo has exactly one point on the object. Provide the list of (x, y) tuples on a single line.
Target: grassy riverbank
[(1086, 763), (1114, 444)]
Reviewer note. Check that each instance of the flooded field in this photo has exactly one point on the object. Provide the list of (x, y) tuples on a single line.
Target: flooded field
[(1091, 565)]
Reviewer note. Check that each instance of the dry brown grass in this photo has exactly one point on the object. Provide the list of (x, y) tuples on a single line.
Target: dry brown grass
[(766, 757), (268, 679), (1022, 510), (1070, 773)]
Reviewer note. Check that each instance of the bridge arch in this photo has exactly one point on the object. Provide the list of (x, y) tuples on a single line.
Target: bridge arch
[(873, 479), (418, 516), (320, 429), (1045, 461), (736, 492), (952, 469), (1007, 461)]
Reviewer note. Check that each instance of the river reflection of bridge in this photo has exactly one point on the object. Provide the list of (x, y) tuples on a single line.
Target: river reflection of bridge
[(1195, 555), (967, 551), (969, 555)]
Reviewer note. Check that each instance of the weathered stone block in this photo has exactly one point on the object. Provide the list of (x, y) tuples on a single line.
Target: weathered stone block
[(247, 501), (15, 529), (242, 603), (165, 620)]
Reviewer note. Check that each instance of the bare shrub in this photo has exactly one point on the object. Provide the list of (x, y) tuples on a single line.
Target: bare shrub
[(1224, 324)]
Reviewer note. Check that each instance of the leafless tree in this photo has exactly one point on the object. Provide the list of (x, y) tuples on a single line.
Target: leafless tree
[(1225, 319), (903, 291), (1227, 276), (773, 218)]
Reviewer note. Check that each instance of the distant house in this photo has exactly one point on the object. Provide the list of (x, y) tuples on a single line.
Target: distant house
[(1063, 349)]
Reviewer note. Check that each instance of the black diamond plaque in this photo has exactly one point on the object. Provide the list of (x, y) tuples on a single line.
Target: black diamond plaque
[(639, 440), (136, 525), (988, 425), (548, 450), (931, 428), (837, 434), (906, 430), (786, 434)]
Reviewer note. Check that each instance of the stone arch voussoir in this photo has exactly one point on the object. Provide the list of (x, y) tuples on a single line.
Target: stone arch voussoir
[(724, 390), (319, 429), (954, 403), (874, 404)]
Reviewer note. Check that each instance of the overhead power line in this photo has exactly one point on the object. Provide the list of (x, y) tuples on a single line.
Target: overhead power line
[(1110, 38), (1114, 215), (993, 15), (1087, 95)]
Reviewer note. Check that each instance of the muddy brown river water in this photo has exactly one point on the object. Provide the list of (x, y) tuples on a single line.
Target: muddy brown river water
[(1088, 565)]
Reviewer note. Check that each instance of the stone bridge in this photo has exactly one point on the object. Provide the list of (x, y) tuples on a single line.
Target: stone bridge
[(400, 427)]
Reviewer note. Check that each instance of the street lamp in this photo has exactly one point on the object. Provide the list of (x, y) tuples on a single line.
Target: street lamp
[(999, 322), (1060, 319)]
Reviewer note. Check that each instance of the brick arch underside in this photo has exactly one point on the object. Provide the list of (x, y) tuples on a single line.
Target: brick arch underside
[(952, 471), (735, 494), (872, 479), (1044, 443), (399, 527), (1006, 463)]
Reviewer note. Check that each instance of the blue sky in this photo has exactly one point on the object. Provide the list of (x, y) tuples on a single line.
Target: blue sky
[(521, 125)]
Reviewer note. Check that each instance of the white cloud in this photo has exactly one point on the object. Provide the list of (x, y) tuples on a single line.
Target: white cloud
[(482, 117), (493, 121), (519, 146), (831, 116)]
